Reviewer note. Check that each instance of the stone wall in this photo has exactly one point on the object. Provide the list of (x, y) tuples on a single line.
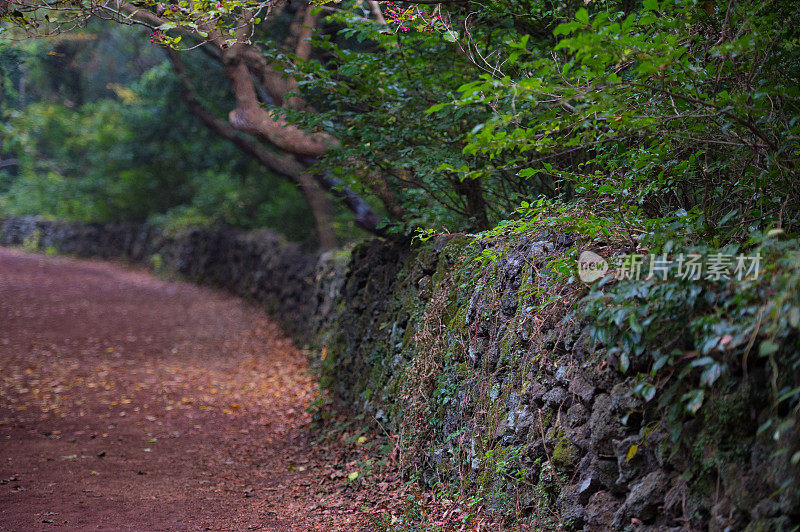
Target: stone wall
[(259, 266), (479, 368), (492, 385)]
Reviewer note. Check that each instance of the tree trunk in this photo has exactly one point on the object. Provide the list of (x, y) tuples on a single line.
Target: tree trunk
[(248, 71), (472, 191), (321, 208)]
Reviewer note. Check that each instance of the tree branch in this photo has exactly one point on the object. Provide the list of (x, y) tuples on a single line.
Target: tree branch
[(285, 164)]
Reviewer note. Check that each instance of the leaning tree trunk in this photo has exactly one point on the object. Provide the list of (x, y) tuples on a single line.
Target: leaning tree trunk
[(252, 76), (318, 201), (321, 208)]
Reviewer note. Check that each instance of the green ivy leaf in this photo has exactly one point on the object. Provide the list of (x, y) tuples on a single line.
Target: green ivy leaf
[(624, 362)]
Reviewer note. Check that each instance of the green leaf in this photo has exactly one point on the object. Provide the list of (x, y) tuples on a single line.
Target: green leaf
[(566, 28), (649, 392), (435, 108), (582, 15), (529, 172), (647, 20), (794, 317), (694, 400), (624, 362), (660, 362), (786, 395), (634, 323), (767, 348), (764, 427), (711, 374), (650, 5)]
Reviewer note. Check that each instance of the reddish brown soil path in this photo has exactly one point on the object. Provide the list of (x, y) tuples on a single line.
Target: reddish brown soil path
[(130, 403)]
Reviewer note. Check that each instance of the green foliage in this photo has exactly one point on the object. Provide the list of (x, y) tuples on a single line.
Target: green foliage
[(220, 17), (640, 110), (383, 95), (690, 339), (653, 111), (130, 152), (643, 113), (659, 125), (32, 243)]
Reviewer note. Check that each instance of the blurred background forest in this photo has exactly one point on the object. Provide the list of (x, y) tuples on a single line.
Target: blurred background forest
[(94, 129)]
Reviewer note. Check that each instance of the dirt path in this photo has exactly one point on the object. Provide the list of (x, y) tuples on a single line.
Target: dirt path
[(131, 403)]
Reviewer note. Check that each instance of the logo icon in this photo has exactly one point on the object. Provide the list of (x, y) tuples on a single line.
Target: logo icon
[(591, 266)]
